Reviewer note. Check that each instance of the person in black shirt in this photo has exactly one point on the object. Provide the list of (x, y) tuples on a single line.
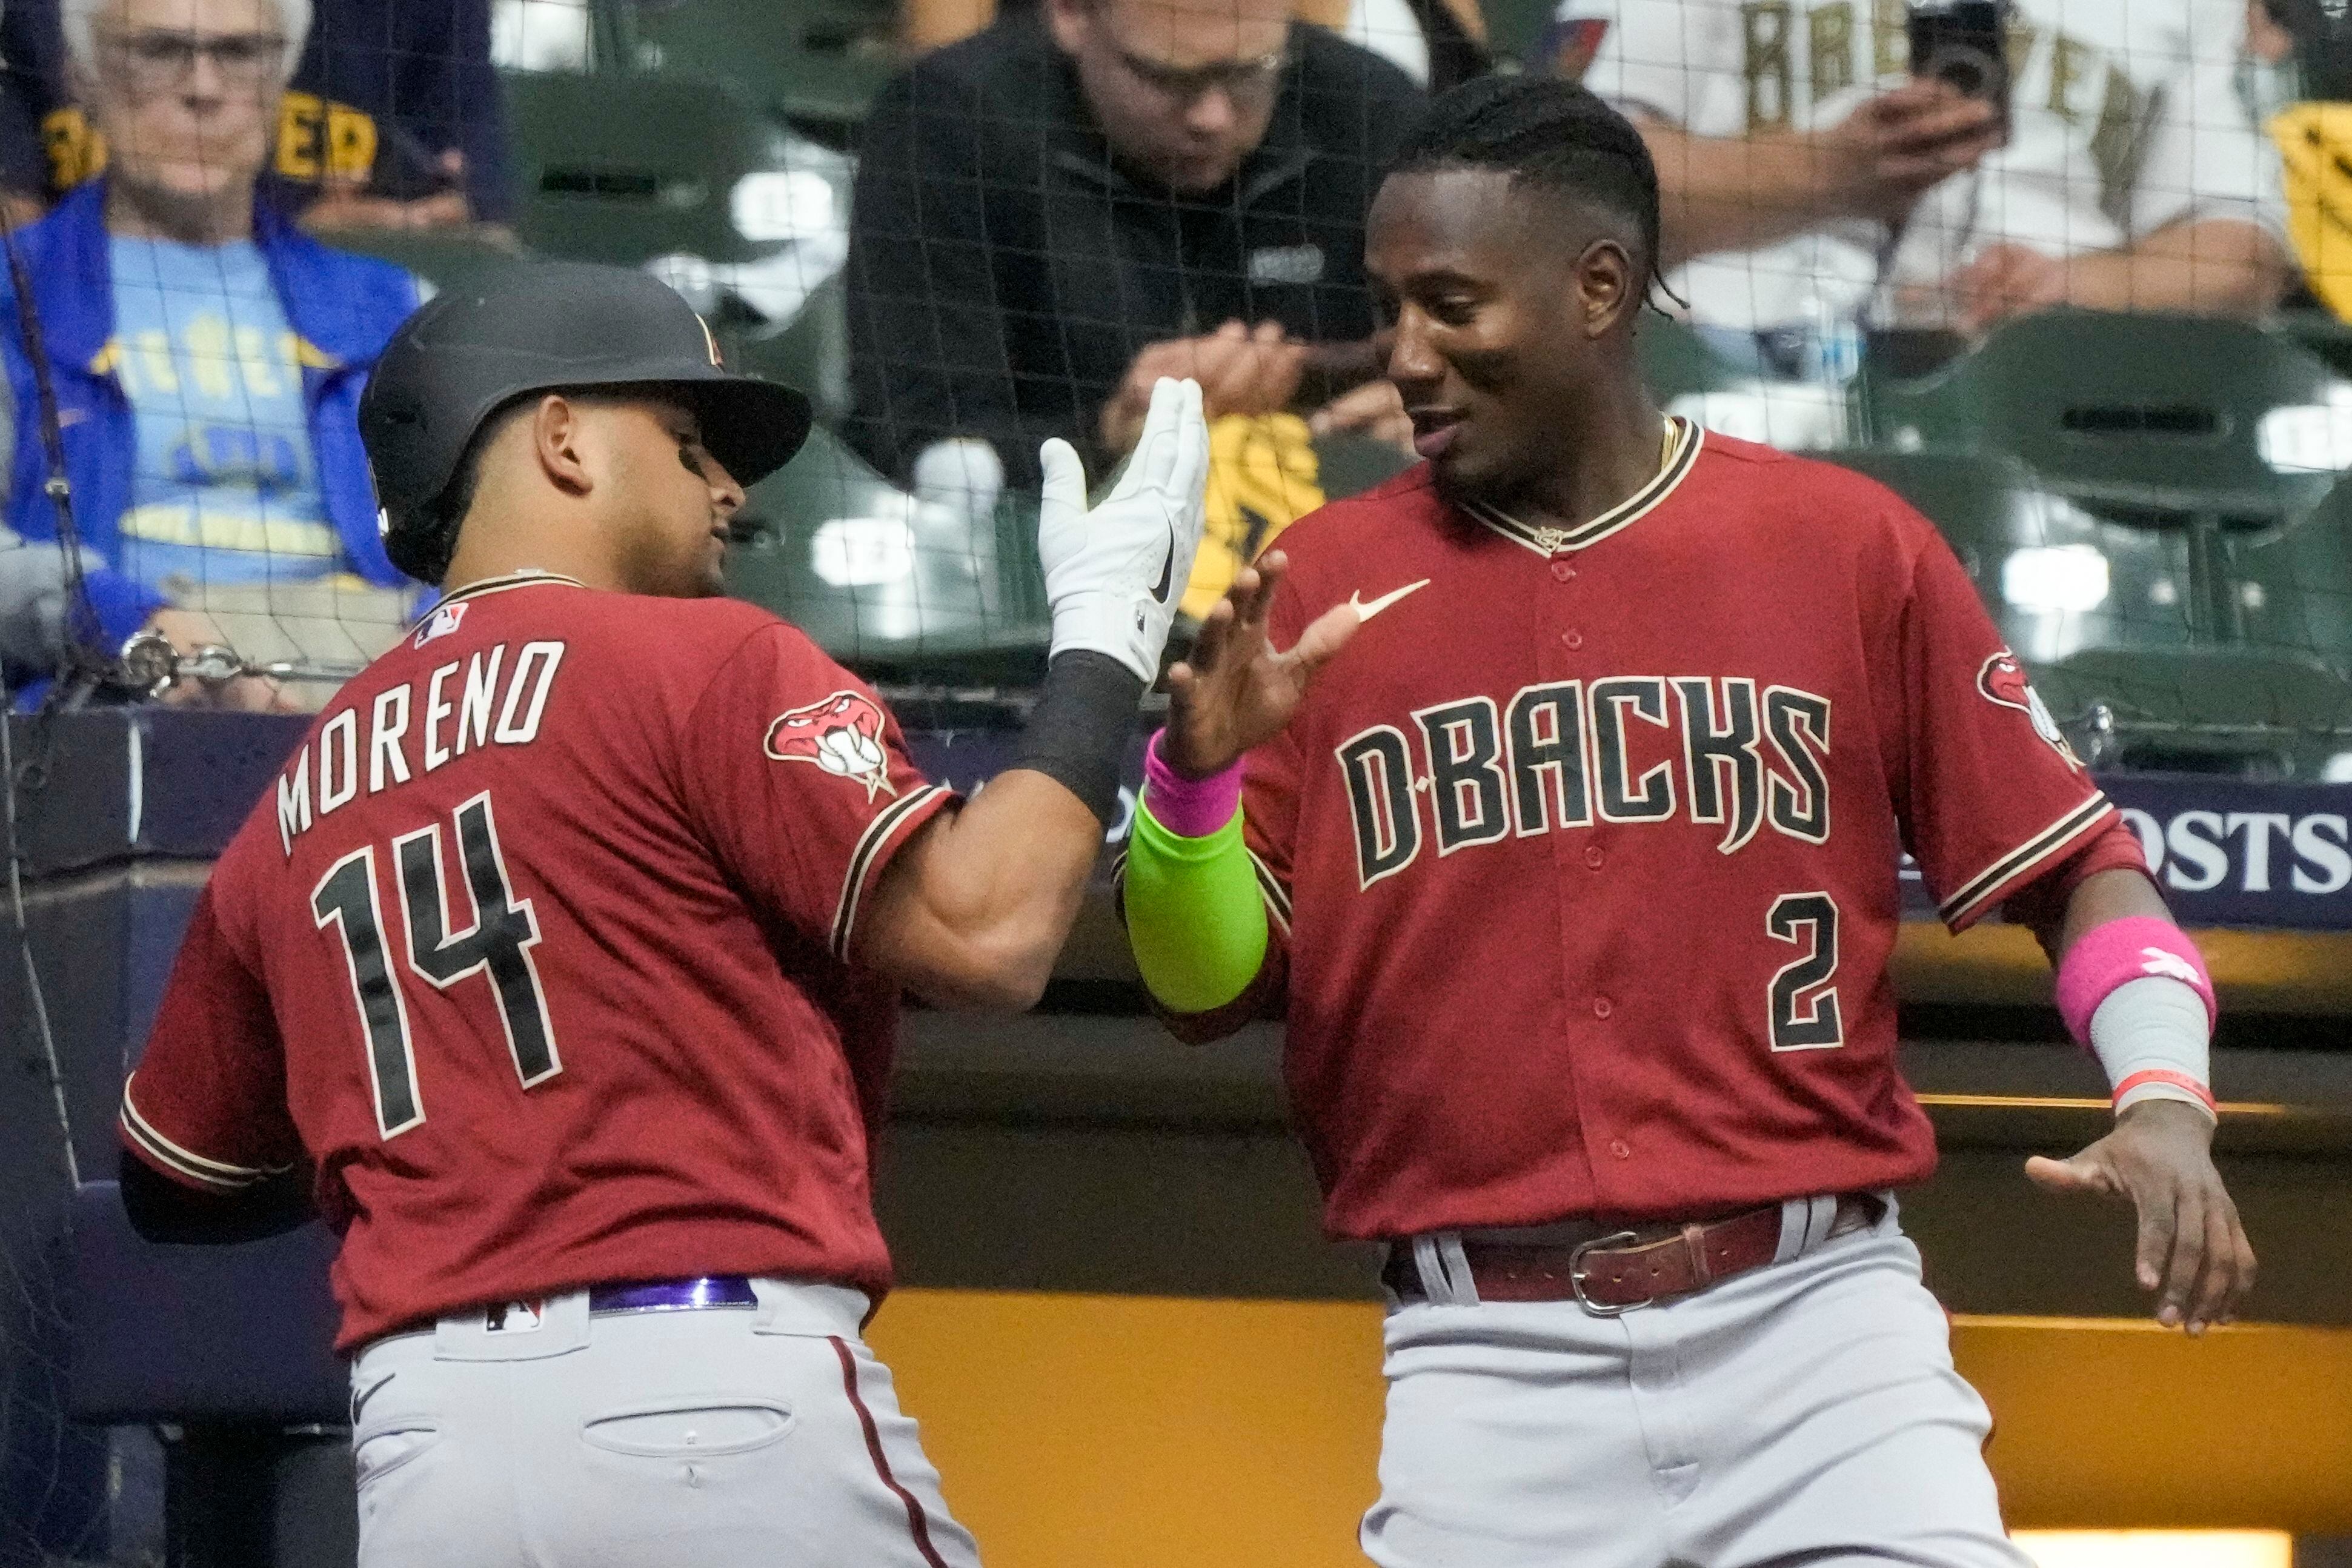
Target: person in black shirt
[(1056, 211)]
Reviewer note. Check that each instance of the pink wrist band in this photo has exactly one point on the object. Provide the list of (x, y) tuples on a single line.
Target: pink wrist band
[(1189, 808), (2179, 1081), (2136, 948)]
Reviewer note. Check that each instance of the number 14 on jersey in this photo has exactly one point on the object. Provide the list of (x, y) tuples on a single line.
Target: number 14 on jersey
[(497, 946)]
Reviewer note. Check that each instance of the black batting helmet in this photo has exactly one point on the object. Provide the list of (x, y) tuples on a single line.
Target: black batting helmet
[(546, 327)]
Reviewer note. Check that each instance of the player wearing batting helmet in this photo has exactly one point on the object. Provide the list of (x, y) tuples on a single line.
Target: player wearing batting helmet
[(558, 969), (1557, 791)]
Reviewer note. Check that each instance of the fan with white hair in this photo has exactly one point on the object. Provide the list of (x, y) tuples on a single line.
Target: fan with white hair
[(80, 18)]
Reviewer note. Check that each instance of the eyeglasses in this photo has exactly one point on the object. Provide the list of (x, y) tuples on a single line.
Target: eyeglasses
[(158, 58), (1243, 81)]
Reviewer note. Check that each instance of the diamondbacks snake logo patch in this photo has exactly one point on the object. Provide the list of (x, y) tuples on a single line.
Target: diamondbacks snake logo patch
[(842, 734), (2002, 680)]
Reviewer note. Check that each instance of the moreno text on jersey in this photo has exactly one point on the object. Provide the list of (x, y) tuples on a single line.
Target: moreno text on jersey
[(494, 697)]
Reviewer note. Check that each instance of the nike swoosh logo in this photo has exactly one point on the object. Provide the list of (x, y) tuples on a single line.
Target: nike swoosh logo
[(1365, 612), (1167, 570)]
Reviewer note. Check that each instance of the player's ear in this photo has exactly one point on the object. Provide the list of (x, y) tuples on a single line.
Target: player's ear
[(559, 438), (1605, 287)]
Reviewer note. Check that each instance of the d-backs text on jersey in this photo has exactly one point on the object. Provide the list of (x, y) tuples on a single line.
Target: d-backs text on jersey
[(1567, 753), (493, 702)]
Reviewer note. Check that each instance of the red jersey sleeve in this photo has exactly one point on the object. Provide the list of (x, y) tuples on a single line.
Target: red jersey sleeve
[(207, 1105), (1991, 795), (799, 778)]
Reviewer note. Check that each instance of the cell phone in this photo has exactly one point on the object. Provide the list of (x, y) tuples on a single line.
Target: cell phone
[(406, 169), (1960, 42)]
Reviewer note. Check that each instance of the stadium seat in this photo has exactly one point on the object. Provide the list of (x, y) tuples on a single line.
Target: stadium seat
[(2055, 578), (892, 588), (2320, 334), (1516, 28), (1675, 362), (444, 261), (885, 584), (627, 166), (1348, 464), (2293, 588), (2246, 712), (2138, 415), (811, 353), (816, 65)]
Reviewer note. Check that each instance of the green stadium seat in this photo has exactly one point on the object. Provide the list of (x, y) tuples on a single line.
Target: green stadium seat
[(2247, 711), (2293, 587), (1348, 464), (2154, 673), (816, 65), (445, 261), (2320, 334), (1514, 28), (812, 353), (2145, 415), (623, 167), (1675, 360), (885, 586), (2056, 578), (893, 591)]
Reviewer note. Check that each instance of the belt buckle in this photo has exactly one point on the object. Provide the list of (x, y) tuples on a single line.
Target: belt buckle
[(1576, 1276)]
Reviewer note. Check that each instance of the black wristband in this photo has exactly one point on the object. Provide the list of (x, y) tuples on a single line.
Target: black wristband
[(1078, 733)]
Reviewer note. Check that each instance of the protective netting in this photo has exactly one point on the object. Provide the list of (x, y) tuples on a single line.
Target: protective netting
[(2154, 522), (2094, 343)]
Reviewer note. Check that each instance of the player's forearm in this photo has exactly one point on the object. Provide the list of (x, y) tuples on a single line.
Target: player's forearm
[(975, 910), (2220, 267), (2135, 992), (1195, 917), (1733, 193)]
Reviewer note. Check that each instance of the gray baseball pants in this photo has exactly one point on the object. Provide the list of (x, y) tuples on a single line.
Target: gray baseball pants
[(709, 1439), (1803, 1415)]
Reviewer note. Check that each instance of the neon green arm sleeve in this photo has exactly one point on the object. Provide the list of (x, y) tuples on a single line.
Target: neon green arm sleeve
[(1194, 915)]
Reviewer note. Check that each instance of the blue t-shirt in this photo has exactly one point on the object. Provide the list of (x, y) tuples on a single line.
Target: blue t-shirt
[(226, 488)]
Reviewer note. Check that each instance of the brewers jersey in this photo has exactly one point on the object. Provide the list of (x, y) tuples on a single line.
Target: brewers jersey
[(535, 957), (1582, 857), (2123, 119)]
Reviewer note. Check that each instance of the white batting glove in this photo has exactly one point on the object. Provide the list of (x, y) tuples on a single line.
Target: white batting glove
[(1113, 575)]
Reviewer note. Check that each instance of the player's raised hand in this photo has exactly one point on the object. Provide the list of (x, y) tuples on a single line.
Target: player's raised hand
[(2191, 1246), (1114, 574), (1236, 690)]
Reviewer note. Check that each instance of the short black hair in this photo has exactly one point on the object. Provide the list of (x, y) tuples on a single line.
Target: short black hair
[(1545, 132)]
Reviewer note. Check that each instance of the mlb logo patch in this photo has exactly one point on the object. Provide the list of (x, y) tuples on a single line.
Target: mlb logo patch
[(514, 1317), (444, 620)]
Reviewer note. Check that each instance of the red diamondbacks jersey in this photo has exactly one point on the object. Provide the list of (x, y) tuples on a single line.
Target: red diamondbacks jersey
[(1582, 855), (534, 955)]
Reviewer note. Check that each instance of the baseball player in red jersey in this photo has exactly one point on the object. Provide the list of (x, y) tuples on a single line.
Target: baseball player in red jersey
[(559, 967), (1569, 832)]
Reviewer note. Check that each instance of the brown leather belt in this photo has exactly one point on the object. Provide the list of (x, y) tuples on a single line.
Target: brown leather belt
[(1613, 1271)]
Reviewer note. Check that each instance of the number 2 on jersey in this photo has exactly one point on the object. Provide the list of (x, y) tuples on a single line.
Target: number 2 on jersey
[(497, 945), (1804, 1004)]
